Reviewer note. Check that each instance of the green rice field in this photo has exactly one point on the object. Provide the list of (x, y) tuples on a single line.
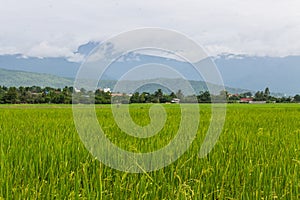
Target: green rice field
[(256, 157)]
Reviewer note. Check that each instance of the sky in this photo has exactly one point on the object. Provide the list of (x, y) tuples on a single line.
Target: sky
[(55, 28)]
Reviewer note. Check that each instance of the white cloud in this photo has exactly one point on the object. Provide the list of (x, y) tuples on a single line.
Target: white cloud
[(57, 28), (44, 49)]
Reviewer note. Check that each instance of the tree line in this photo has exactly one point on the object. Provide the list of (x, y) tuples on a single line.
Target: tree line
[(35, 95), (39, 95)]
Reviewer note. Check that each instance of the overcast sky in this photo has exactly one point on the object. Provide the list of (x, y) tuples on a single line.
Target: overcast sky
[(57, 27)]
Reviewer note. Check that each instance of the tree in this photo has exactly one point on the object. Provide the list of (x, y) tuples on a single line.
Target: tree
[(297, 98), (102, 97), (11, 96), (158, 94), (259, 96), (222, 97), (165, 98), (135, 98), (267, 93), (233, 99), (179, 94), (143, 97), (2, 93), (204, 97), (246, 95), (173, 95)]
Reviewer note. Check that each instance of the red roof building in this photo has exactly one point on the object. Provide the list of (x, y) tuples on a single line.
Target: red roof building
[(246, 100)]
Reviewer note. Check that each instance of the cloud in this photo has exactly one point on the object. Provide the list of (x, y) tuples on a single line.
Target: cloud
[(56, 28), (44, 49)]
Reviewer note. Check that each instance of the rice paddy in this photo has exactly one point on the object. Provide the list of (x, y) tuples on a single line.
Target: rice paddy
[(256, 157)]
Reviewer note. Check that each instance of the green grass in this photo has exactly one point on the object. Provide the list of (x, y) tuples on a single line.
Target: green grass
[(256, 157)]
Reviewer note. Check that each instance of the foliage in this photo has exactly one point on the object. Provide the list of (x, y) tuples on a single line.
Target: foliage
[(14, 78), (39, 95)]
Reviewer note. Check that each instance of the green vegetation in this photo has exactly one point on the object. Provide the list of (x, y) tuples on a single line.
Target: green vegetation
[(35, 95), (39, 95), (256, 157), (12, 78)]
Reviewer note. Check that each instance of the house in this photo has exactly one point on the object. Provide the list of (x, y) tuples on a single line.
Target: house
[(233, 95), (106, 90), (118, 94), (246, 100), (175, 100), (76, 90)]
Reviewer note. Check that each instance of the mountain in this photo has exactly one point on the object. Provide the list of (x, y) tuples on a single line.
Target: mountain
[(280, 74), (152, 85), (55, 66), (20, 78)]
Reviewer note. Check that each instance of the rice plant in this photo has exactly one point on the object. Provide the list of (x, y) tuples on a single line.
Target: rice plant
[(256, 157)]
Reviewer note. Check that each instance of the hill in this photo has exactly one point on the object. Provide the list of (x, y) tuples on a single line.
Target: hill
[(151, 87), (20, 78)]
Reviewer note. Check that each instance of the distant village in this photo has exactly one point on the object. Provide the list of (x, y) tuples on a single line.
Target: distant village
[(68, 95)]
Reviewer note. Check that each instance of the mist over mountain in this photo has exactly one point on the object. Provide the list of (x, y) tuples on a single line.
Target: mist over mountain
[(280, 74), (254, 73), (55, 66)]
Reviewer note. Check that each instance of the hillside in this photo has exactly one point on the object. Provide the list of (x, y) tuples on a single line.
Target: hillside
[(152, 87), (20, 78)]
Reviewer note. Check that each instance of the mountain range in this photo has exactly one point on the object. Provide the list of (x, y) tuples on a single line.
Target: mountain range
[(253, 73), (20, 78)]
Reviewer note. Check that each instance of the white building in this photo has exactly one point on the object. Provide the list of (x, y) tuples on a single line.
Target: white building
[(175, 100), (106, 90)]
